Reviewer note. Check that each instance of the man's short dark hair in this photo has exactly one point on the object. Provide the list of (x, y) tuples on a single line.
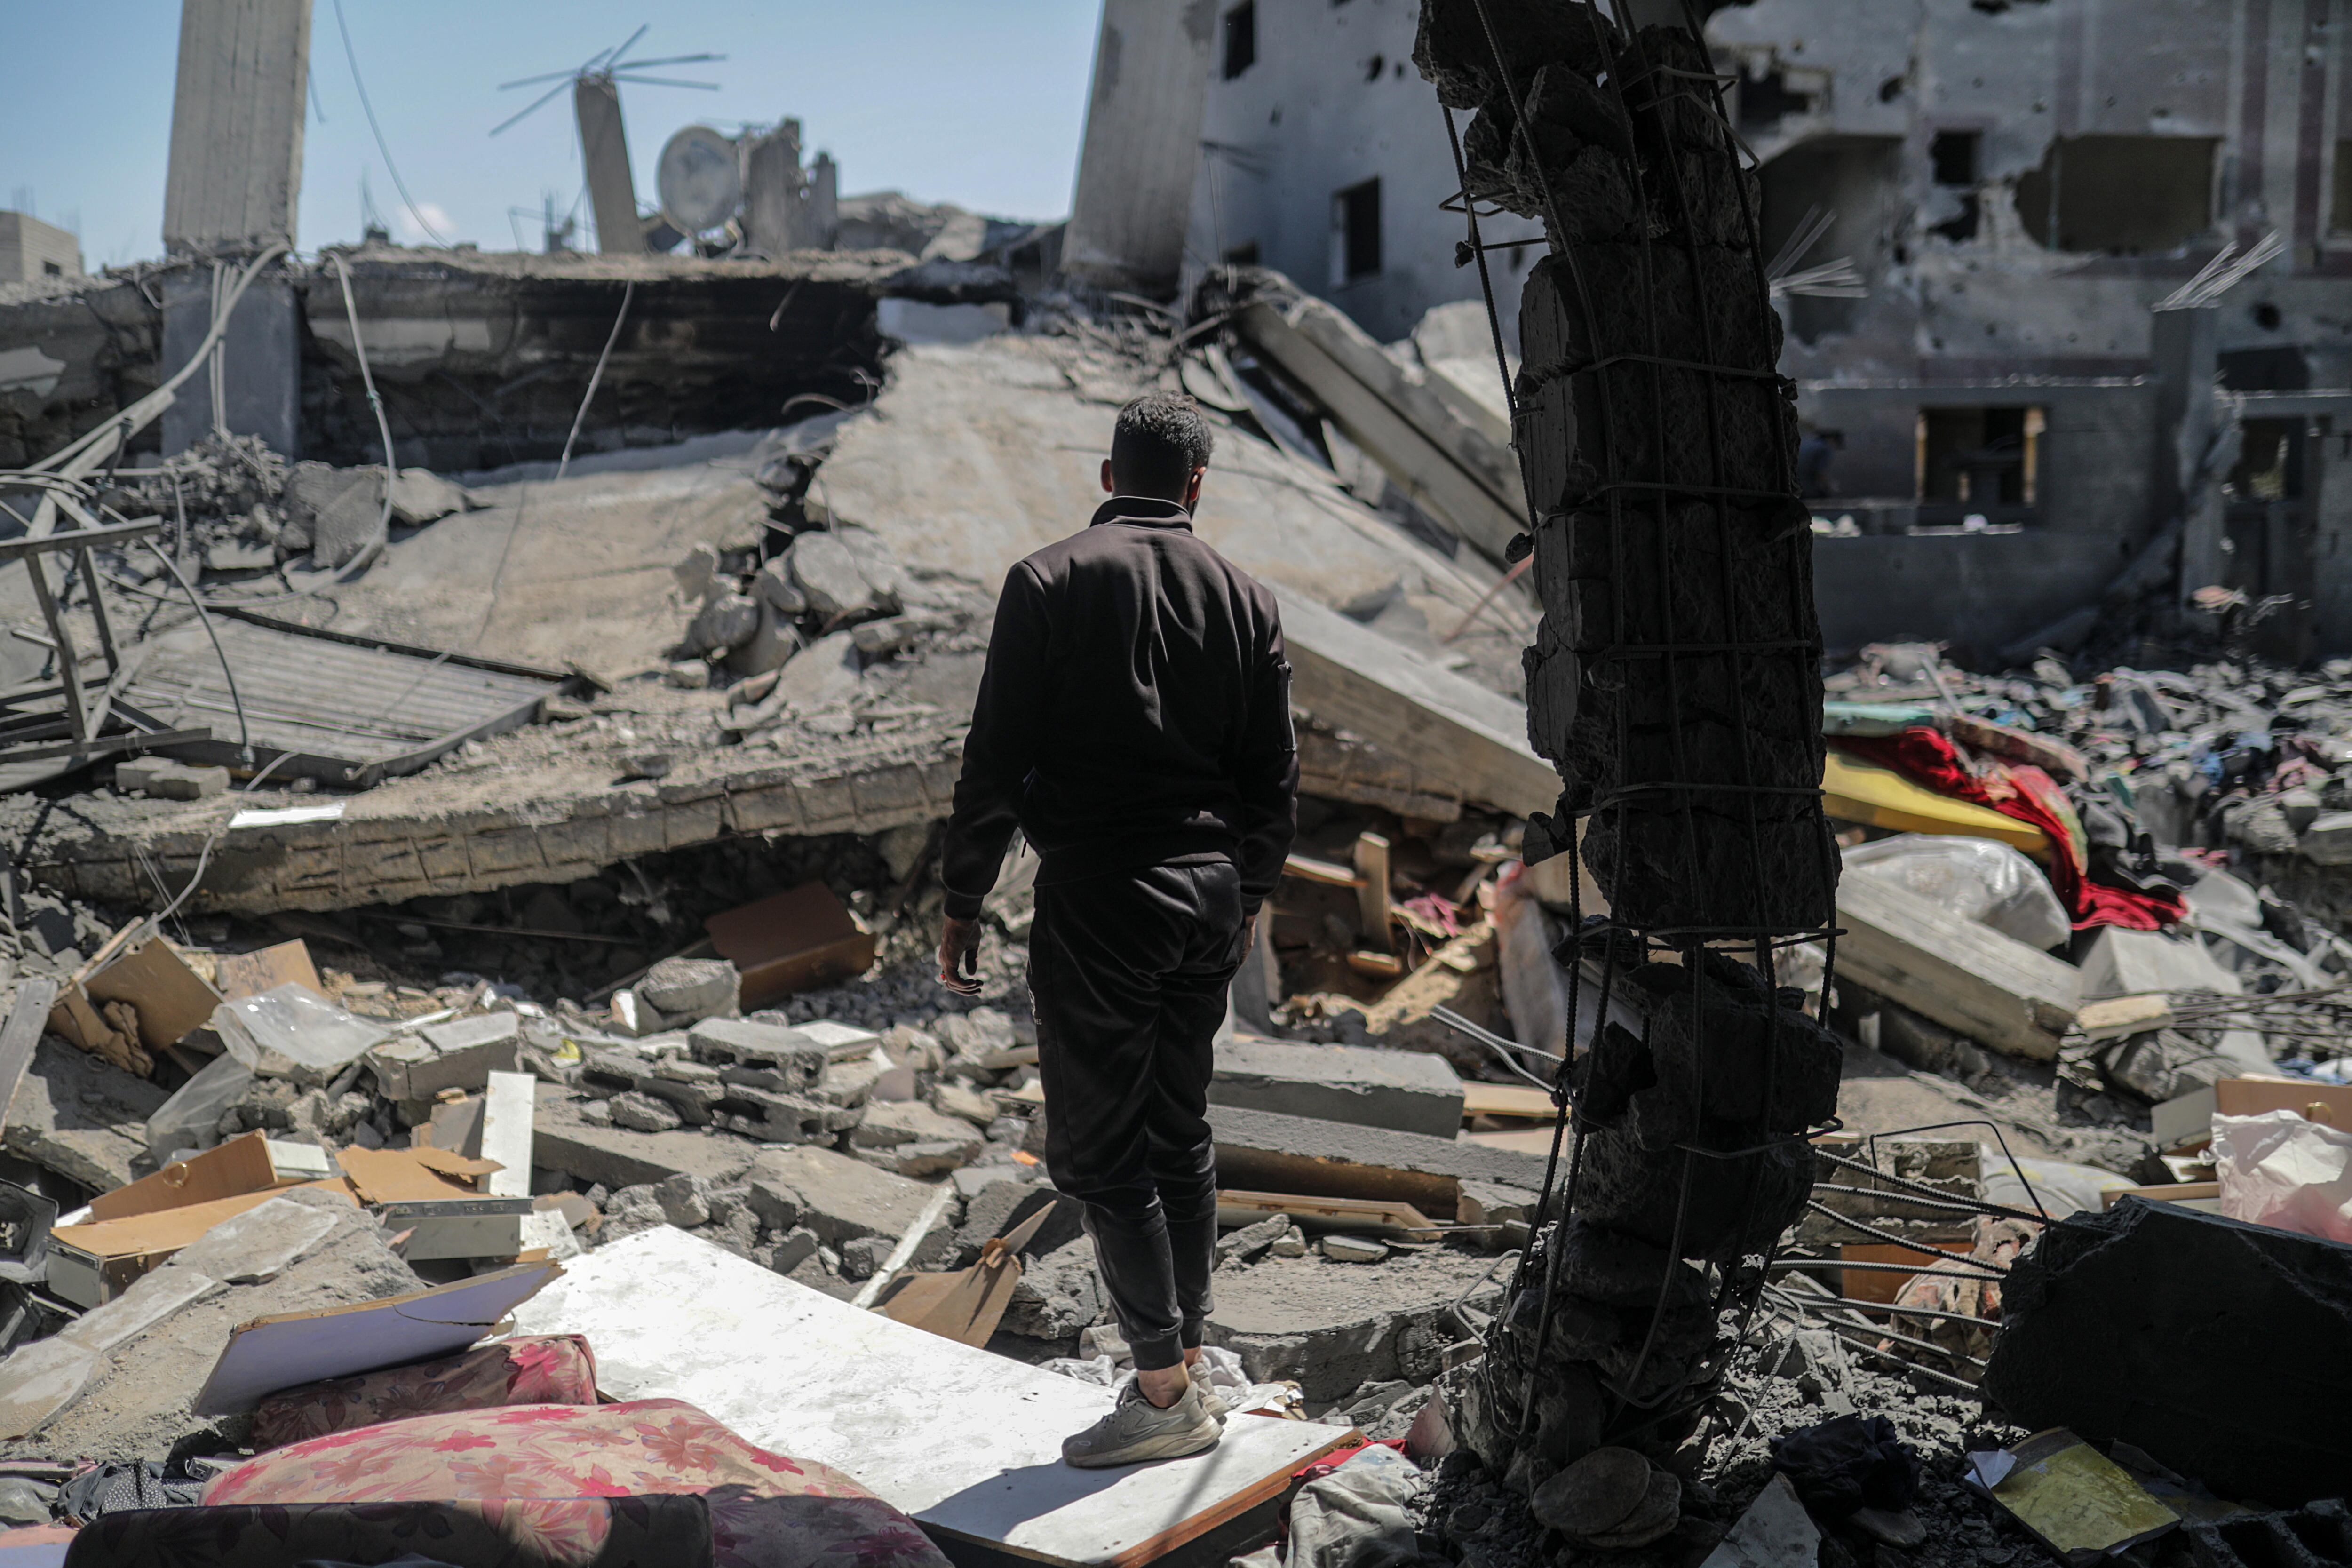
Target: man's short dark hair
[(1160, 440)]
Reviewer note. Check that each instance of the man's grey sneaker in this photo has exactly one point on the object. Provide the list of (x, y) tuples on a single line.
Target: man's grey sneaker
[(1137, 1430), (1211, 1400)]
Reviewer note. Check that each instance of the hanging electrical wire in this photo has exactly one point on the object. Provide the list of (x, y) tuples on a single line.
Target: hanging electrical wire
[(398, 184)]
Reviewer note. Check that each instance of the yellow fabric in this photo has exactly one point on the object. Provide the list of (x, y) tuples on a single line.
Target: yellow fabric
[(1856, 791)]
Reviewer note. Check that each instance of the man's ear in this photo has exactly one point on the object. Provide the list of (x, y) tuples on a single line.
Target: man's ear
[(1108, 489), (1192, 487)]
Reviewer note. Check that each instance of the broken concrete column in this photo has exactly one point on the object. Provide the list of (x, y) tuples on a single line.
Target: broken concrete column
[(1674, 684)]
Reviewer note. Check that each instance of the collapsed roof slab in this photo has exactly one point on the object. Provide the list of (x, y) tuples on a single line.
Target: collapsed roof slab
[(554, 571), (438, 834)]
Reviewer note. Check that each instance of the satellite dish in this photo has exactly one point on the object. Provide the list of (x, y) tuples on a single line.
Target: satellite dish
[(699, 183)]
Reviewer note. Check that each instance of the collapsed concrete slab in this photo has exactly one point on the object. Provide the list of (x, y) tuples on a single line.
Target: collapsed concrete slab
[(1333, 1327), (1409, 1091), (2213, 1345), (615, 1157), (475, 830), (843, 1199)]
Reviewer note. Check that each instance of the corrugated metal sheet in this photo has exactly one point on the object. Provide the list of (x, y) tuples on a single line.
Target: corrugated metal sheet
[(345, 710)]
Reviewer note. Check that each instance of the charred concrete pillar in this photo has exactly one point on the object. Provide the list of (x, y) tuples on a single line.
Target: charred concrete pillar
[(1675, 684), (605, 153)]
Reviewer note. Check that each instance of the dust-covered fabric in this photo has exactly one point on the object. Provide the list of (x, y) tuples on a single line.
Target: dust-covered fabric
[(555, 1368), (766, 1510)]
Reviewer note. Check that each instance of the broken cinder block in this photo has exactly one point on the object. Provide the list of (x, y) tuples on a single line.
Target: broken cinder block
[(460, 1054)]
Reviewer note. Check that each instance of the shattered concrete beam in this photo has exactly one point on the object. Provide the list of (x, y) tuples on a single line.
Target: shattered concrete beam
[(1967, 977), (1444, 462), (401, 842), (1429, 718)]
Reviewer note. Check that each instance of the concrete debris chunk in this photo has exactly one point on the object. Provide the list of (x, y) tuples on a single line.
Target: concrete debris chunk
[(1352, 1248), (461, 1054), (168, 779), (841, 1199), (641, 1112), (832, 578), (722, 626), (420, 495), (688, 990), (1411, 1091), (790, 1057)]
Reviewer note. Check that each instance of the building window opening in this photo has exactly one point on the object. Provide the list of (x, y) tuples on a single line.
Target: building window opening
[(2339, 207), (1356, 232), (1952, 159), (1984, 461), (1766, 99), (2124, 195), (1240, 38)]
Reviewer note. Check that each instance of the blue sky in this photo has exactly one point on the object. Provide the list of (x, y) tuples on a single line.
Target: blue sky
[(979, 102)]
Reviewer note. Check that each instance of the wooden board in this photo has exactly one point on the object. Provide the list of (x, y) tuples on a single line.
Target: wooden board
[(1355, 1216), (28, 1015), (2328, 1103), (1528, 1140), (1967, 977), (967, 1442), (295, 1348), (1528, 1103)]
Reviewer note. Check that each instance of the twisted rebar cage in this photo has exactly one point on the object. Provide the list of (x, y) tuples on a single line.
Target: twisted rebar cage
[(1679, 906)]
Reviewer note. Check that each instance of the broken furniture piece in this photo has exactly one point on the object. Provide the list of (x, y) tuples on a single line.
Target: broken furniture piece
[(50, 727)]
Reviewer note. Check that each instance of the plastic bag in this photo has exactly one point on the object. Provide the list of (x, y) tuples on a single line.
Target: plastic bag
[(1977, 878), (2064, 1188), (2280, 1169), (191, 1118), (292, 1032)]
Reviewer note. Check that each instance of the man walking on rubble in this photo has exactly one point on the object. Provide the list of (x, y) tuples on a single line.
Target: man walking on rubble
[(1134, 722)]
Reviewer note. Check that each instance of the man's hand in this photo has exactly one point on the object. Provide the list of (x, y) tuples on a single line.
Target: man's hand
[(959, 939)]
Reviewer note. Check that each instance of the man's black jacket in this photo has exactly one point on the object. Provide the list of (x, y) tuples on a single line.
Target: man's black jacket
[(1135, 712)]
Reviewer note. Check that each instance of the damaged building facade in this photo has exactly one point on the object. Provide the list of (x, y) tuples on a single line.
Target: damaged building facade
[(2023, 411)]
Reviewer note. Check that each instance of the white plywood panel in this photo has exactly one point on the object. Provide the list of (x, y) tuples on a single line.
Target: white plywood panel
[(507, 1110), (295, 1348), (968, 1442)]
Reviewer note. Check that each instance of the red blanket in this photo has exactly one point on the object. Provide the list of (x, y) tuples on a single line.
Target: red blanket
[(2028, 795)]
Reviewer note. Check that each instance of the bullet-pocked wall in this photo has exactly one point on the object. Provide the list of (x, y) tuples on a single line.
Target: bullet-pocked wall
[(2018, 183)]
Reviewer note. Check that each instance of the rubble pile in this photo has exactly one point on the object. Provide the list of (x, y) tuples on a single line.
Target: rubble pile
[(1674, 1238), (235, 506)]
